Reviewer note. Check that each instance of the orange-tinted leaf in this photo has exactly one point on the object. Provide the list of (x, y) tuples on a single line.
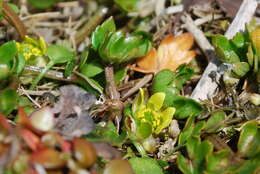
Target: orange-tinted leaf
[(172, 52), (48, 158), (149, 62), (30, 139)]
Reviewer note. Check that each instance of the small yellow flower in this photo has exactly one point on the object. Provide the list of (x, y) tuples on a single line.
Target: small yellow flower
[(31, 47), (151, 111)]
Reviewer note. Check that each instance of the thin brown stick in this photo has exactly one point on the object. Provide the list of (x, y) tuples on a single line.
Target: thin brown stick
[(14, 20), (90, 25), (139, 85)]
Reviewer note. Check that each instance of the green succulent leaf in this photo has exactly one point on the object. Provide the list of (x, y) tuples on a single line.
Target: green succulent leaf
[(119, 48), (59, 54), (239, 40), (184, 164), (240, 69), (120, 74), (224, 49), (102, 32), (215, 122), (186, 107), (20, 64), (187, 130), (183, 74), (198, 151), (92, 68), (144, 130), (250, 55), (249, 142), (8, 101), (163, 82), (114, 47), (70, 67), (171, 83), (145, 165), (7, 53), (191, 129), (218, 162), (83, 58), (251, 166), (7, 57), (4, 71)]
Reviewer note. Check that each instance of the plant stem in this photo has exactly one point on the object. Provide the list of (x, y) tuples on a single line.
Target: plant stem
[(39, 77), (55, 75), (111, 84), (14, 20)]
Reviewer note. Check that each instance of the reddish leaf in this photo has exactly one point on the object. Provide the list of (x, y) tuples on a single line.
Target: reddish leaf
[(30, 139)]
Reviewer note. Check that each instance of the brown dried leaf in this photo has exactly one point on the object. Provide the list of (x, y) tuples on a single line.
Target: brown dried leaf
[(172, 52)]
